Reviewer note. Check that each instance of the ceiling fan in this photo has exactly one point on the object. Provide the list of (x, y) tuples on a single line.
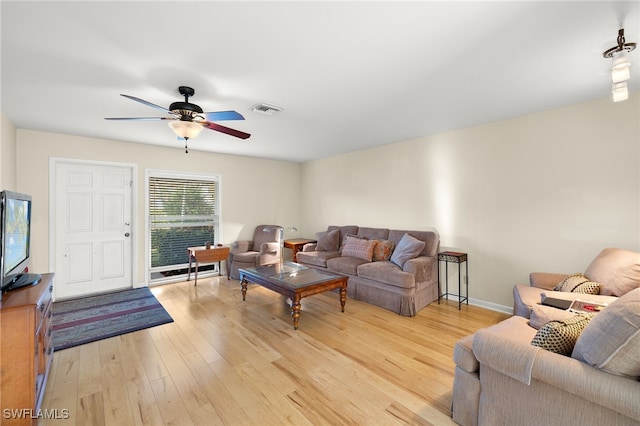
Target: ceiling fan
[(187, 120)]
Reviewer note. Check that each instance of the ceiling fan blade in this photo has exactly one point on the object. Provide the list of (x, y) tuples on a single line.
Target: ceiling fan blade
[(142, 101), (228, 131), (222, 115), (141, 118)]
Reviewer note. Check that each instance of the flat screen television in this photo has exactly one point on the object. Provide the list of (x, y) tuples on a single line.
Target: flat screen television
[(15, 241)]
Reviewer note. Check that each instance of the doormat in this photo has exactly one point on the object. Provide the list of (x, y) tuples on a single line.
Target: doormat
[(87, 319)]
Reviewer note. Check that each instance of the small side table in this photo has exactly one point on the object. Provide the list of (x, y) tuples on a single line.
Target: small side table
[(206, 255), (459, 258), (296, 244)]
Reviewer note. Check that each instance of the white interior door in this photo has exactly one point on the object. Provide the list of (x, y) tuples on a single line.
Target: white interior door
[(93, 243)]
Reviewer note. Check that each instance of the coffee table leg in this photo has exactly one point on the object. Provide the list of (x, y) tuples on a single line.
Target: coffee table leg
[(343, 297), (295, 311), (243, 283)]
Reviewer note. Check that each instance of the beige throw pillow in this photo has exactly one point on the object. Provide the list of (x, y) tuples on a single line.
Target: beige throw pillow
[(611, 342), (617, 271), (344, 240), (359, 248)]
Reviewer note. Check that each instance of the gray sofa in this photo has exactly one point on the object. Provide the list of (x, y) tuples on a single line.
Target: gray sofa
[(386, 268)]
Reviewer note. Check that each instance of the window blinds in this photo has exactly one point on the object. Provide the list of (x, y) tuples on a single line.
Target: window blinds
[(183, 212)]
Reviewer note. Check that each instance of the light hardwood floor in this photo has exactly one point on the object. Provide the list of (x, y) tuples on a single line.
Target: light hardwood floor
[(228, 362)]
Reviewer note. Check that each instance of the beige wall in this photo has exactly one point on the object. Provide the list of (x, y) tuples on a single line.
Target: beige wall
[(543, 192), (7, 154), (254, 191)]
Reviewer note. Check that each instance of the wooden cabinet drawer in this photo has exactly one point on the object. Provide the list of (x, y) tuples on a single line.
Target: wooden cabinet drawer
[(44, 303)]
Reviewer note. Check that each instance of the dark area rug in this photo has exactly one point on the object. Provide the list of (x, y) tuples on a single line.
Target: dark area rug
[(87, 319)]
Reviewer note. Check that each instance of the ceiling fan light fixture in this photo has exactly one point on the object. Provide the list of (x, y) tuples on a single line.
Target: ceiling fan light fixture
[(187, 120), (620, 91), (186, 129)]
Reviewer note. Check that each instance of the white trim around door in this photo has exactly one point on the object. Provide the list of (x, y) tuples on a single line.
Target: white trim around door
[(93, 236)]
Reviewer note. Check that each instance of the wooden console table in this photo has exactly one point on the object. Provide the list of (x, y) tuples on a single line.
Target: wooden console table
[(296, 244), (202, 254)]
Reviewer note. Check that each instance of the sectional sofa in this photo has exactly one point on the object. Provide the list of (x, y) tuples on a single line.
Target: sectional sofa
[(394, 269), (549, 366)]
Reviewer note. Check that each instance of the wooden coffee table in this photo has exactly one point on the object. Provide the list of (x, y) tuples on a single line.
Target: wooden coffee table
[(294, 281)]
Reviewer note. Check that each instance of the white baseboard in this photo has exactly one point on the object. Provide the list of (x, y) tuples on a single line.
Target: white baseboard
[(492, 306)]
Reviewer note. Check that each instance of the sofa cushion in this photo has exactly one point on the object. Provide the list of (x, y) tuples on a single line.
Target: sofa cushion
[(373, 233), (611, 342), (408, 248), (617, 271), (359, 248), (388, 273), (383, 250), (540, 315), (316, 258), (524, 298), (463, 355), (545, 280), (345, 265), (246, 257), (345, 230), (578, 283), (560, 336), (328, 240)]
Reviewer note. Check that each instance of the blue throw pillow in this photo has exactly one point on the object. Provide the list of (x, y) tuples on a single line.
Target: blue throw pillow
[(408, 247)]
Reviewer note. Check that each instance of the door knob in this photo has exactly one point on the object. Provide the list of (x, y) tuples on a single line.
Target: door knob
[(127, 234)]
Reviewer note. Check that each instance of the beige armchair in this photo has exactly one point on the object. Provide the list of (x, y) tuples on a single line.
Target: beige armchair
[(263, 249)]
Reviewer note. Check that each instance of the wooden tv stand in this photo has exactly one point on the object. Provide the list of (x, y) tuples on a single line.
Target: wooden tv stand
[(25, 351)]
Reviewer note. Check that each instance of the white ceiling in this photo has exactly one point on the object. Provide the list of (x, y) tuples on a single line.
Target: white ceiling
[(350, 75)]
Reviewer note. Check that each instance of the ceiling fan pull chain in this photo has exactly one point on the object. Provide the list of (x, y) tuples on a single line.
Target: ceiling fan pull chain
[(186, 151)]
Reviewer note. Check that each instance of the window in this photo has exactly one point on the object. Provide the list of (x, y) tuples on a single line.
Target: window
[(183, 211)]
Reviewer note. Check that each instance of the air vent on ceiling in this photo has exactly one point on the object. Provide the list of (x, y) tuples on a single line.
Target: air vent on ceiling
[(267, 109)]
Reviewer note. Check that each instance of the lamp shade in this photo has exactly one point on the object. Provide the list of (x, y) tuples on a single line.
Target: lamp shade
[(620, 91), (620, 68), (185, 129)]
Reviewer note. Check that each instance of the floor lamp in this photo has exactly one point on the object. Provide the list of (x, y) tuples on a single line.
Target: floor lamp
[(281, 229)]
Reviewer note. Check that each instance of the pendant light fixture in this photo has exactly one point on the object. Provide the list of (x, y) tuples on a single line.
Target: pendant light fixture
[(620, 67)]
